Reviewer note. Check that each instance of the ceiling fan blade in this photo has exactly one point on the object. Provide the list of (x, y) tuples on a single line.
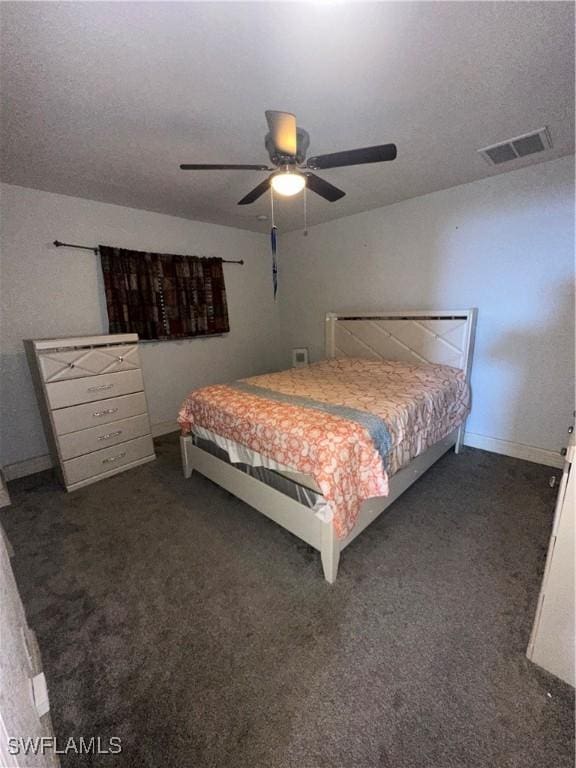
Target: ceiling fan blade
[(256, 192), (323, 188), (283, 129), (354, 157), (220, 167)]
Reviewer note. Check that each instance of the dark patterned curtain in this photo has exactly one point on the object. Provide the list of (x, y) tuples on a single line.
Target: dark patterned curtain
[(162, 296)]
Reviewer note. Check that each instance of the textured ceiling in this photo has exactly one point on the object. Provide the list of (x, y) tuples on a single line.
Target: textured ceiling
[(104, 100)]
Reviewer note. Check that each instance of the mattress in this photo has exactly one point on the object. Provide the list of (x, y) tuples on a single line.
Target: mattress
[(349, 424), (291, 484), (236, 453)]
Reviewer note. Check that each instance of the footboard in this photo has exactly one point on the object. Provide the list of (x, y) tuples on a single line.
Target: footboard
[(186, 443), (295, 517), (290, 514)]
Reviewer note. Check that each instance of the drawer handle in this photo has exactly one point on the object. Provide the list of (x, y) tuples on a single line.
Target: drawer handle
[(100, 388), (114, 458), (104, 413), (110, 435)]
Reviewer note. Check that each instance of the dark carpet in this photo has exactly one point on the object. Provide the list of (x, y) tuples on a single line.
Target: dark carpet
[(172, 615)]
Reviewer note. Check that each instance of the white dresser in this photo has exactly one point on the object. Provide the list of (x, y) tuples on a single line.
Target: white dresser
[(91, 395)]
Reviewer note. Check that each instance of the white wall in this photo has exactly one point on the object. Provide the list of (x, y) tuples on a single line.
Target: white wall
[(47, 291), (504, 245)]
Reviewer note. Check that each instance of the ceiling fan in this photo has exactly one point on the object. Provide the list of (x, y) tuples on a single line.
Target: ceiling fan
[(287, 145)]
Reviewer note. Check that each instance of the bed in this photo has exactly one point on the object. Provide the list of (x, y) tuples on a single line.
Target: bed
[(323, 450)]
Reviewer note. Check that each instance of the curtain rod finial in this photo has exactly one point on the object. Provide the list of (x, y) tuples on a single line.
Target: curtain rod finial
[(60, 244)]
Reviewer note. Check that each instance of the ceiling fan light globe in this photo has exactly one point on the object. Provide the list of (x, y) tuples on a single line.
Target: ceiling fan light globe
[(288, 183)]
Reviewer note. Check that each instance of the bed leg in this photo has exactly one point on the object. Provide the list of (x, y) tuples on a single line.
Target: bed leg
[(330, 552), (185, 445), (459, 440)]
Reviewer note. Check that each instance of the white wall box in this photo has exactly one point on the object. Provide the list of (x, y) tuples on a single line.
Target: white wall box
[(299, 357), (91, 395)]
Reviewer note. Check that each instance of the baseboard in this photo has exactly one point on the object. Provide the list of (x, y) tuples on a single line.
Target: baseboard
[(27, 467), (492, 444), (515, 450), (164, 428), (4, 495)]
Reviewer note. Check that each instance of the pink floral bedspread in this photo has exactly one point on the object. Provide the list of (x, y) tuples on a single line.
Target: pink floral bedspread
[(419, 404)]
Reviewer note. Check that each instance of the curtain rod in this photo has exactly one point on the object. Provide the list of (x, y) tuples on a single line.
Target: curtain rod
[(59, 244)]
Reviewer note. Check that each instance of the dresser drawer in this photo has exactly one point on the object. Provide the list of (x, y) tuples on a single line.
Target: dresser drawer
[(93, 464), (93, 414), (88, 440), (91, 388), (76, 363)]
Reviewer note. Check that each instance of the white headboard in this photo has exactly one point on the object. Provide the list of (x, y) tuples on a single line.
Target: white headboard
[(445, 337)]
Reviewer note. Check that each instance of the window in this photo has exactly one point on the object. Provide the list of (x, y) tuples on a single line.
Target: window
[(163, 296)]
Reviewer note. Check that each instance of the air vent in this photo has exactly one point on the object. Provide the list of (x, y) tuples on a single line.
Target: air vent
[(521, 146)]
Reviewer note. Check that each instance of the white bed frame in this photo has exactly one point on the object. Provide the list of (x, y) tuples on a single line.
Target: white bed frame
[(445, 337)]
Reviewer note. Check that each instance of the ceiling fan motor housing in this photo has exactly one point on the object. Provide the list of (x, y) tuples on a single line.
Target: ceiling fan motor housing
[(277, 158)]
